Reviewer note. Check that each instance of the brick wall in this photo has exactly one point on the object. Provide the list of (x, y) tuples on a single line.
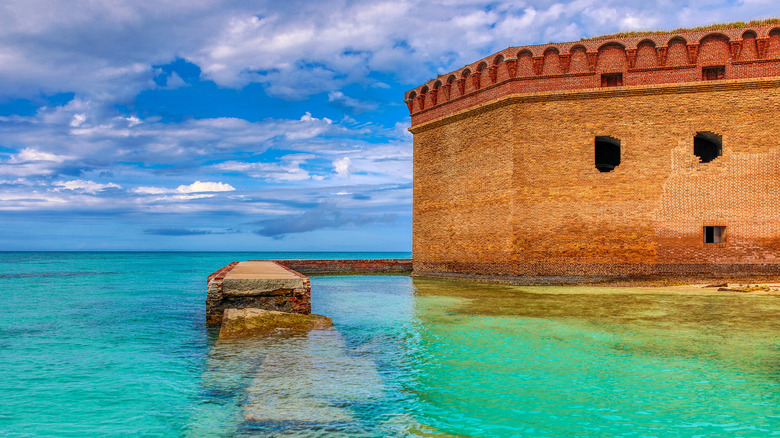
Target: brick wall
[(464, 191), (508, 186), (346, 266)]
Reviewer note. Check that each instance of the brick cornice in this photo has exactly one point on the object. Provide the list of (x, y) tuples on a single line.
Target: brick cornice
[(601, 93)]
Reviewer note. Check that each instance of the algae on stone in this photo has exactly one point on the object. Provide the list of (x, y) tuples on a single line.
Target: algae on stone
[(250, 321)]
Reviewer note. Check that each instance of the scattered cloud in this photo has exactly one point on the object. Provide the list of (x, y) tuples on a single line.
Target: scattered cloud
[(299, 48), (31, 162), (101, 139), (308, 127), (31, 155), (326, 215), (342, 166), (188, 197), (184, 231), (205, 186), (288, 169), (148, 190), (174, 81), (77, 120), (357, 106), (86, 186), (184, 192)]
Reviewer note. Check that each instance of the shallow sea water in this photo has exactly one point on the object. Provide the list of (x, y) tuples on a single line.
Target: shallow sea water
[(113, 344)]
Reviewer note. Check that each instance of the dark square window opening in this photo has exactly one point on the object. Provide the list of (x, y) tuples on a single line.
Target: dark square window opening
[(612, 80), (714, 234), (713, 73)]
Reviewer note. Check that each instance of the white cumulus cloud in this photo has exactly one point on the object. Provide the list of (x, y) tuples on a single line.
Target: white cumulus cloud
[(342, 166), (205, 186), (185, 191)]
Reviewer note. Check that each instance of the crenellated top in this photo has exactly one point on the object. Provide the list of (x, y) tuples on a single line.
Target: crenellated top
[(737, 53)]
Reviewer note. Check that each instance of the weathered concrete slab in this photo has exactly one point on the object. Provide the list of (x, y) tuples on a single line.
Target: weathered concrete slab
[(260, 278)]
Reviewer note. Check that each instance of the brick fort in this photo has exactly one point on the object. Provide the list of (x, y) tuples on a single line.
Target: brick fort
[(636, 156)]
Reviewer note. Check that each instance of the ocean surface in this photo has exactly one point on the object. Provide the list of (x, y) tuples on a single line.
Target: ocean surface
[(114, 345)]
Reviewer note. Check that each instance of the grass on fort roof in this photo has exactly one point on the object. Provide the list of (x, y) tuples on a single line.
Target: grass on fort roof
[(718, 26)]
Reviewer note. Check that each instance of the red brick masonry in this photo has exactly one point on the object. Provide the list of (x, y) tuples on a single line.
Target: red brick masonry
[(665, 58), (370, 266), (214, 296), (300, 302), (505, 180)]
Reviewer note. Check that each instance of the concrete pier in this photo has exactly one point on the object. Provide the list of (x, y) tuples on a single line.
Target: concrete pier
[(280, 285), (248, 278), (256, 284)]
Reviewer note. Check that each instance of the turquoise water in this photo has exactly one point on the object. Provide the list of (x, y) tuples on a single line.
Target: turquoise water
[(113, 344)]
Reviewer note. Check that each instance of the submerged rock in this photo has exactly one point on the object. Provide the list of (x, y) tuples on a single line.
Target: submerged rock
[(238, 323)]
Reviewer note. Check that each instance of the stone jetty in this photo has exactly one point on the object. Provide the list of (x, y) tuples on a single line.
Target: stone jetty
[(261, 295), (256, 284)]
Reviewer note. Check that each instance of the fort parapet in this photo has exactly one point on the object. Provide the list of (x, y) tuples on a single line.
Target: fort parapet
[(655, 154), (666, 58)]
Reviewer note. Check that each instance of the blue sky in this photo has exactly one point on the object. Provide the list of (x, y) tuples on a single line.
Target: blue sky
[(247, 125)]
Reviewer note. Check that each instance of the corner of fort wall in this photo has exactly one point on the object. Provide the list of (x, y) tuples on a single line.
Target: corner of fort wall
[(507, 187)]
